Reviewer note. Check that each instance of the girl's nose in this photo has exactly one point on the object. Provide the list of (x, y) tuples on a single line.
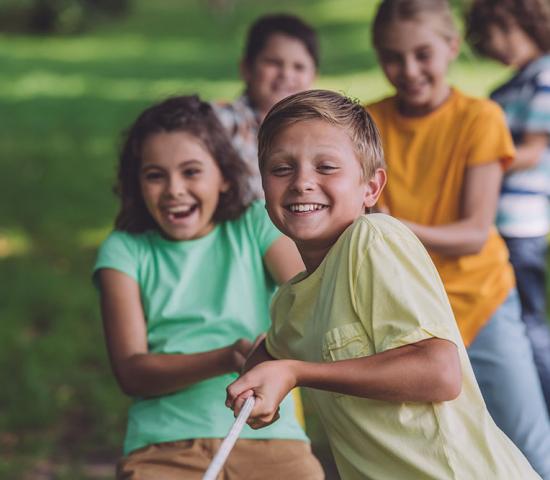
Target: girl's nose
[(175, 187), (410, 67)]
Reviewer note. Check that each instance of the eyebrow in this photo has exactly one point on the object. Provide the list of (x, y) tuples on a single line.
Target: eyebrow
[(181, 164)]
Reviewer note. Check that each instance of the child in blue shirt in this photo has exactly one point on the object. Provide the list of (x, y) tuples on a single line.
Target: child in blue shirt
[(185, 280), (516, 33)]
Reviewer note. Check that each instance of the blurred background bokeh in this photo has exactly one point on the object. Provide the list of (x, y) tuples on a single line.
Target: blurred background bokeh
[(73, 74)]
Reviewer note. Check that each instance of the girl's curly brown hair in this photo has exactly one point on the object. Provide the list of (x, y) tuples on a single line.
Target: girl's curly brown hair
[(532, 16), (177, 114)]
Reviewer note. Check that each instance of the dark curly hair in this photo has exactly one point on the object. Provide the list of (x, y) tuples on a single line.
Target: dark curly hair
[(532, 16), (177, 114)]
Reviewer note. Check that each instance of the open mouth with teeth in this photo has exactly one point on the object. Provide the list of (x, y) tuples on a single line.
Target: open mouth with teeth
[(180, 212), (305, 207)]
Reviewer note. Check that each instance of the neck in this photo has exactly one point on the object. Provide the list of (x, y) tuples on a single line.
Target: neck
[(421, 110), (312, 256)]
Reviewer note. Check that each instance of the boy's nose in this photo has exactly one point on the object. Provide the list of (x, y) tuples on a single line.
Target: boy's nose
[(302, 183)]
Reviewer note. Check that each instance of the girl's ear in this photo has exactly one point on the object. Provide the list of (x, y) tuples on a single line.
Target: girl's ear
[(225, 187), (375, 185), (454, 46)]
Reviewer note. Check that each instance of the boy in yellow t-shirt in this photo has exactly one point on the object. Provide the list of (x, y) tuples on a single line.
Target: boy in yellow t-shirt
[(367, 327)]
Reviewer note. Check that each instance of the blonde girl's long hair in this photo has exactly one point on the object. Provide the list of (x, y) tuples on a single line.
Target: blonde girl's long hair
[(438, 11)]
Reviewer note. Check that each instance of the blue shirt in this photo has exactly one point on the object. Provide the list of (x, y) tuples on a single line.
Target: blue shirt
[(525, 99)]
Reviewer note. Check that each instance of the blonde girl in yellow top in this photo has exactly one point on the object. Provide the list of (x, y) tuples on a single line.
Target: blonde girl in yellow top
[(446, 153)]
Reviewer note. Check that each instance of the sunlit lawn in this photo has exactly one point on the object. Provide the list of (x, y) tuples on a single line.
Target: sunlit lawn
[(63, 102)]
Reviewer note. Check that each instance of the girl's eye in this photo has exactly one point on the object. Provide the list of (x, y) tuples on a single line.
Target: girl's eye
[(423, 55), (153, 176), (191, 172)]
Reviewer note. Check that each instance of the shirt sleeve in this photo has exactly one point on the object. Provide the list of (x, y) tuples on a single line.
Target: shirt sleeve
[(399, 296), (488, 136), (260, 224), (538, 110), (119, 251)]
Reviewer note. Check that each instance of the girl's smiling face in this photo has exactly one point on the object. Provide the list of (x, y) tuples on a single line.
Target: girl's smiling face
[(180, 184), (415, 57)]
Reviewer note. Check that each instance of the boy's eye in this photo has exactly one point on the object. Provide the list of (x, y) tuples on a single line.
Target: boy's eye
[(281, 170), (272, 61), (326, 168), (389, 57)]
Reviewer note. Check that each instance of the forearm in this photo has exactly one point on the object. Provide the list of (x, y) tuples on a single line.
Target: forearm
[(529, 153), (259, 355), (149, 375), (427, 371), (463, 237)]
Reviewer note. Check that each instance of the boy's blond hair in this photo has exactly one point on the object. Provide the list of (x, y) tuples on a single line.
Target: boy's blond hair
[(390, 11), (333, 108)]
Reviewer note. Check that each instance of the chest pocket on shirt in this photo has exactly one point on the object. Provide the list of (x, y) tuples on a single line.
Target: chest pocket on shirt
[(346, 342)]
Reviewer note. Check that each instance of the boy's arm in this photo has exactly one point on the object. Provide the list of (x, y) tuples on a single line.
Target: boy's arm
[(140, 373), (426, 371), (468, 235), (529, 152)]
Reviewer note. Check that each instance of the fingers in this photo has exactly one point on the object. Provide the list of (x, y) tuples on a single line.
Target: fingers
[(259, 339), (234, 391), (261, 421)]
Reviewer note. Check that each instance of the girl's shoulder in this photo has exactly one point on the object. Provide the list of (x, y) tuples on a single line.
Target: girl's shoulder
[(119, 240), (475, 107), (254, 224)]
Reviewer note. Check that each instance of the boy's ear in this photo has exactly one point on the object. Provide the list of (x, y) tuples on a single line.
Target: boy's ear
[(246, 72), (375, 185)]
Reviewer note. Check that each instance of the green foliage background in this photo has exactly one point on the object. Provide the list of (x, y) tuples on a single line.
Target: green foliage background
[(63, 102)]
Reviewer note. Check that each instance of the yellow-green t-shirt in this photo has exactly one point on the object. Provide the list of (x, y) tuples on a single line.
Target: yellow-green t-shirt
[(377, 289), (427, 158)]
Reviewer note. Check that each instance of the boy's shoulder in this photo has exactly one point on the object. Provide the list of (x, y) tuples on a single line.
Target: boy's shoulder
[(381, 228)]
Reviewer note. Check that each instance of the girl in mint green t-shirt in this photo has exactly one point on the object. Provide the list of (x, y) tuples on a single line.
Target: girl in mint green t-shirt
[(186, 279)]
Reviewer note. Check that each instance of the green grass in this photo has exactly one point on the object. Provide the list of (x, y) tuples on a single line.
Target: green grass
[(64, 101)]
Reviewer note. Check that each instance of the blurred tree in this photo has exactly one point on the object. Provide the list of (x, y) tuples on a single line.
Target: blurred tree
[(57, 16)]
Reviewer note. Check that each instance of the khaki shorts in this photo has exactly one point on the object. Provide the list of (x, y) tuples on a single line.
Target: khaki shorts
[(249, 460)]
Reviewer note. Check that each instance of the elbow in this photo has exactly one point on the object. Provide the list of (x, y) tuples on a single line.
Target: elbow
[(476, 242), (128, 386), (449, 388), (449, 383)]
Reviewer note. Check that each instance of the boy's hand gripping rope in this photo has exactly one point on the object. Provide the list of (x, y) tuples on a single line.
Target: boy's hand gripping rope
[(225, 448)]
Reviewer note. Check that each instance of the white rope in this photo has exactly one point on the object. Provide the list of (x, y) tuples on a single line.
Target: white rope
[(228, 442)]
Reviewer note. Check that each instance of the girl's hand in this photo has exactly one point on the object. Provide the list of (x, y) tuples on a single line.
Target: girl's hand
[(269, 382), (239, 352)]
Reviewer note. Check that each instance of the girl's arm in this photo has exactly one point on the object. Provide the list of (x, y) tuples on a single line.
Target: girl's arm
[(468, 235), (283, 260), (138, 372), (529, 153), (426, 371)]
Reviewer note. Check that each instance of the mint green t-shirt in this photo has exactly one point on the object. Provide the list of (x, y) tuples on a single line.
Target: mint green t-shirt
[(199, 295)]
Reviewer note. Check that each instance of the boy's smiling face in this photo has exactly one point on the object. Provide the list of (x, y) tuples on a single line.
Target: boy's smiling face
[(314, 185)]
